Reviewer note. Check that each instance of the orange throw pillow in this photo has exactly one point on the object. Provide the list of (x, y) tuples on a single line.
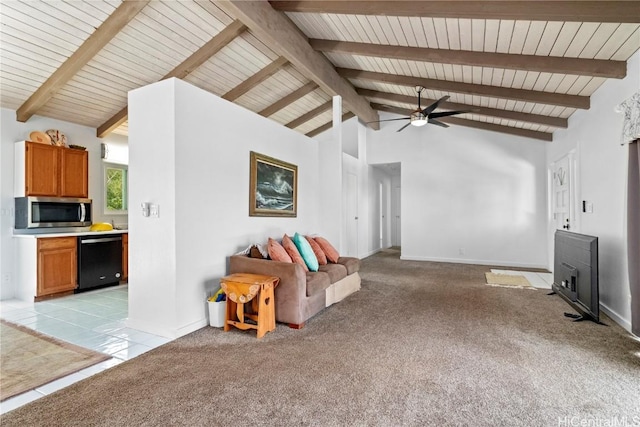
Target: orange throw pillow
[(322, 258), (291, 249), (277, 252), (331, 252)]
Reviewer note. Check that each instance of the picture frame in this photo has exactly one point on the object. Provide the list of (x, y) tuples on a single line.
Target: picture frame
[(273, 187)]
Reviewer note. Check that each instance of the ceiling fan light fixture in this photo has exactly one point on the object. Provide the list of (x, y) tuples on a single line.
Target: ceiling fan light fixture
[(418, 119)]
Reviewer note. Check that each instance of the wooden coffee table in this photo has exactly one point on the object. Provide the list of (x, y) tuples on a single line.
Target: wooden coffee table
[(254, 289)]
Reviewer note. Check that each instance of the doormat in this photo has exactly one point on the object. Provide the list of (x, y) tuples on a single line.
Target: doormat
[(508, 281), (30, 359)]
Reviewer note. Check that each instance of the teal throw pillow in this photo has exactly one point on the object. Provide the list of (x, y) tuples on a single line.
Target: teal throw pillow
[(306, 252)]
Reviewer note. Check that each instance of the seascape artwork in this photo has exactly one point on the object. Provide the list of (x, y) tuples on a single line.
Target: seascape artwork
[(274, 187)]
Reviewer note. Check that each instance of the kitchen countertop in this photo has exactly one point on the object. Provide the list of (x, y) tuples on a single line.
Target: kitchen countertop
[(66, 234)]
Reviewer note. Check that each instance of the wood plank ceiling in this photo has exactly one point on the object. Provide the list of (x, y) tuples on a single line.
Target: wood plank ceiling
[(522, 67)]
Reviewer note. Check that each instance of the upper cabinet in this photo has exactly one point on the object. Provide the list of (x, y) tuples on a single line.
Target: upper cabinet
[(49, 170), (74, 173)]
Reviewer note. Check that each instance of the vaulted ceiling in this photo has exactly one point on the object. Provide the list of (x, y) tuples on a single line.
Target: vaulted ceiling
[(520, 67)]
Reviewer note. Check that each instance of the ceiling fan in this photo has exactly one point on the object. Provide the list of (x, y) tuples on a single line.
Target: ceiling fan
[(421, 117)]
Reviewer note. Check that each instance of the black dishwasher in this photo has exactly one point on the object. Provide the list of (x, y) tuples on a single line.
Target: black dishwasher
[(99, 261)]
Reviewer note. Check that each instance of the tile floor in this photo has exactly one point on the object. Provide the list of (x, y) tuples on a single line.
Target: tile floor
[(537, 280), (94, 320)]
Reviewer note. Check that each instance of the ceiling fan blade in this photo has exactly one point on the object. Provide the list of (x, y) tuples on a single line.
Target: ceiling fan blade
[(403, 127), (446, 114), (390, 120), (433, 106), (436, 122)]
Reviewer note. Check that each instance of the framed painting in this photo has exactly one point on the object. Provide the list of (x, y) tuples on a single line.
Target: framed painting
[(273, 187)]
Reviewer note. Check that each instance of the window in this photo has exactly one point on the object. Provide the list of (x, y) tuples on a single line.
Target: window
[(115, 188)]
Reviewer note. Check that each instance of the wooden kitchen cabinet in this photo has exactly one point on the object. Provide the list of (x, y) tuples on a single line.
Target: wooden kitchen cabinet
[(125, 256), (74, 173), (49, 170), (41, 170), (57, 265)]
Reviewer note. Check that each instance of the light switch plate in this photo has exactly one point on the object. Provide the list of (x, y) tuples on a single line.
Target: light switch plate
[(589, 207)]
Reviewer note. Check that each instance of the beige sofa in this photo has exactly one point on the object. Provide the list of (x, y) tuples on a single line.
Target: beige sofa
[(302, 294)]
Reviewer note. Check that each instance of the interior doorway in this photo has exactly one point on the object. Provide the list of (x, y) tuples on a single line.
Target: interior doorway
[(563, 207), (397, 217), (352, 215), (381, 213), (563, 185)]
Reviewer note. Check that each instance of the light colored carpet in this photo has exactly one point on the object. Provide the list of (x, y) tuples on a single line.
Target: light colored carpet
[(421, 344), (507, 280), (29, 359)]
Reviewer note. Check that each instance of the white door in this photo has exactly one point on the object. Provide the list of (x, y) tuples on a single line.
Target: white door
[(352, 215), (380, 217), (397, 216), (563, 205)]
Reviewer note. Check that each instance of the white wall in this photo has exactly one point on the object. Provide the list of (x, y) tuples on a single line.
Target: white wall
[(350, 129), (602, 175), (12, 131), (468, 195), (189, 153), (369, 179)]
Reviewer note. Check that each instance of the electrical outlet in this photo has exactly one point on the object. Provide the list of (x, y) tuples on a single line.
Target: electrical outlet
[(6, 278), (461, 251), (154, 211)]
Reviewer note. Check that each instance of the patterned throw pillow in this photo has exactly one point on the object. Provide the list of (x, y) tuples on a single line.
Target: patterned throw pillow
[(317, 250), (277, 252), (291, 249), (305, 250), (331, 252)]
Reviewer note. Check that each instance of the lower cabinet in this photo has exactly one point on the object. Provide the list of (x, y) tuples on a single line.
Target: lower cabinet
[(125, 256), (57, 265)]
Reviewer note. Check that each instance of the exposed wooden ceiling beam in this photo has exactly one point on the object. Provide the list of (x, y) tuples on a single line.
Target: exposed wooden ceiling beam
[(328, 125), (277, 31), (572, 101), (558, 122), (292, 97), (185, 68), (113, 123), (309, 115), (544, 136), (91, 46), (585, 11), (209, 49), (545, 64), (255, 80)]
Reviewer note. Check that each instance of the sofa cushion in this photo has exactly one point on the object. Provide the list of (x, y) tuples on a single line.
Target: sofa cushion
[(317, 282), (277, 252), (351, 264), (335, 271), (328, 249), (306, 252), (317, 250), (291, 249)]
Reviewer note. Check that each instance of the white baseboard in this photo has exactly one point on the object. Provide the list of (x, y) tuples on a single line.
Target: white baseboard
[(368, 254), (167, 332), (493, 263), (626, 324)]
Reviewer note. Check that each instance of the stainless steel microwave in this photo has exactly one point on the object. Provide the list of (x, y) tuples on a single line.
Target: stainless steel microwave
[(47, 212)]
